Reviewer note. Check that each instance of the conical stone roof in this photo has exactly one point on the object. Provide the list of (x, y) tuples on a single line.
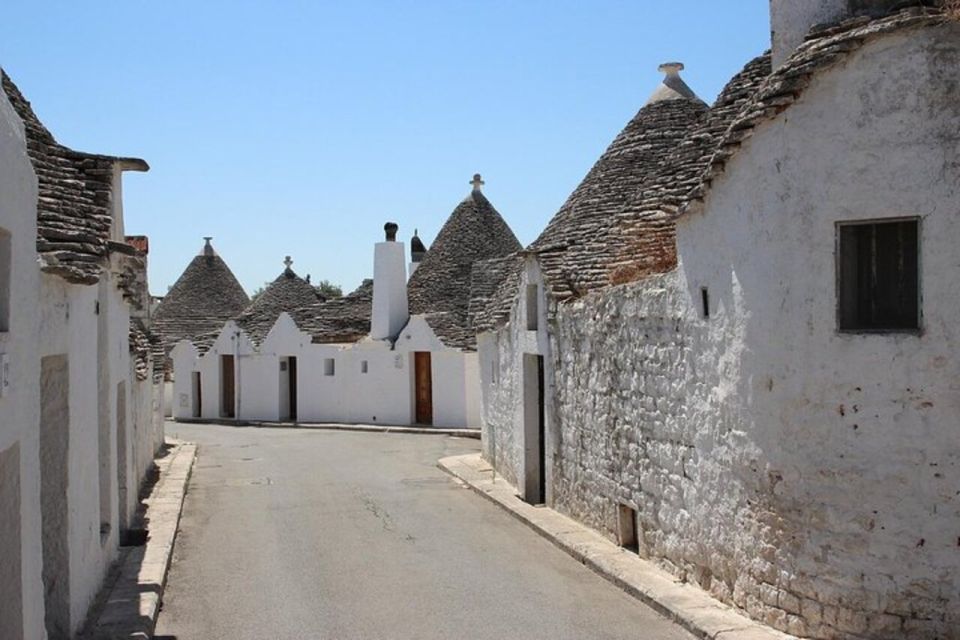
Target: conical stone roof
[(287, 293), (205, 296), (583, 246), (440, 287)]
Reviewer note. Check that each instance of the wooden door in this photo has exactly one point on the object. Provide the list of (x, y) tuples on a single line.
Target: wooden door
[(228, 387), (292, 365), (197, 409), (423, 393)]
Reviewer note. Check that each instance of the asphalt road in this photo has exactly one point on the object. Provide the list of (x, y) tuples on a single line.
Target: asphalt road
[(292, 534)]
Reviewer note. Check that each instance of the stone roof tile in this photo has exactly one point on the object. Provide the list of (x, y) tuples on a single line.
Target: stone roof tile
[(287, 293), (205, 296), (74, 204), (338, 320), (440, 287)]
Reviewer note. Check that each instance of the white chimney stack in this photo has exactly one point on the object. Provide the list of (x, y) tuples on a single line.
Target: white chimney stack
[(792, 20), (390, 312)]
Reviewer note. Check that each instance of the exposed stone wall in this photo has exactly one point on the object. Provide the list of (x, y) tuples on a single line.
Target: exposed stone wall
[(501, 386), (807, 476), (54, 452), (11, 560)]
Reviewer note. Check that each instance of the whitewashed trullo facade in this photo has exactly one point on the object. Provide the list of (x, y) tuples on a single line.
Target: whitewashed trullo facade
[(393, 352)]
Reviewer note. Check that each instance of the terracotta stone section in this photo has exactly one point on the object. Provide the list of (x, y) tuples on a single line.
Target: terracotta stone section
[(440, 287), (586, 243), (287, 293), (345, 319), (74, 206)]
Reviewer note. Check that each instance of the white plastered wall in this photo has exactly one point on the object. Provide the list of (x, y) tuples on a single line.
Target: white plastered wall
[(855, 433), (455, 375), (380, 394), (20, 402)]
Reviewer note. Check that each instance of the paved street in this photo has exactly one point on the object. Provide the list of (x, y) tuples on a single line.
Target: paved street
[(314, 534)]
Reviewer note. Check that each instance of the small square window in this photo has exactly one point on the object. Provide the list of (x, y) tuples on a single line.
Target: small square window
[(329, 366), (364, 367), (878, 275)]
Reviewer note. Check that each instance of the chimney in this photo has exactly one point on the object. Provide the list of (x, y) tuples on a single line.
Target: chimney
[(792, 20), (390, 312), (417, 251)]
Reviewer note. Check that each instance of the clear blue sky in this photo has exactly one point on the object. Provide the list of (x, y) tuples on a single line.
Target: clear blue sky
[(301, 127)]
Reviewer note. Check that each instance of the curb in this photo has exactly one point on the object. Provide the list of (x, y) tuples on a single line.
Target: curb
[(685, 604), (333, 426), (132, 605)]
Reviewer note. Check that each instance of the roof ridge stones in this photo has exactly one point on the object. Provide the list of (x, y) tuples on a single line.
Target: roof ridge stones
[(74, 204), (440, 287), (287, 292), (338, 320)]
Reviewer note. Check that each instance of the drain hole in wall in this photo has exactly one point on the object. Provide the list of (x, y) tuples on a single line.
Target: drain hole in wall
[(627, 528)]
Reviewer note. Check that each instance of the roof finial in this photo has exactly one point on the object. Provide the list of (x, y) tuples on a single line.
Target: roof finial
[(208, 248), (671, 68), (673, 87), (287, 262), (477, 182)]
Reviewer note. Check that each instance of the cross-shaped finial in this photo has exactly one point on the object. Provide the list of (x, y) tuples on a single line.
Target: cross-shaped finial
[(287, 262), (477, 182)]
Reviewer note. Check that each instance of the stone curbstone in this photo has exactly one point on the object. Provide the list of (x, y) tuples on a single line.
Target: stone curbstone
[(133, 602), (685, 604)]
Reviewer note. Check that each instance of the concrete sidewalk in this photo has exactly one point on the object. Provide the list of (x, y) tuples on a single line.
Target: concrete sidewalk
[(131, 604), (686, 604), (337, 426)]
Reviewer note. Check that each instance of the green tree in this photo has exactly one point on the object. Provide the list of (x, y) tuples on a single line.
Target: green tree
[(328, 290)]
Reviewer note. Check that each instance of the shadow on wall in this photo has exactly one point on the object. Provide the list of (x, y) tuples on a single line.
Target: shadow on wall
[(125, 602)]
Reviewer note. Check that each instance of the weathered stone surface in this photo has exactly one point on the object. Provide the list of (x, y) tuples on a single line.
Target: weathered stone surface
[(74, 204)]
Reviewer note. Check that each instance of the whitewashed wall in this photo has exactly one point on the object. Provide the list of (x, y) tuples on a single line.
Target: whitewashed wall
[(454, 375), (857, 432), (68, 325), (381, 395), (806, 476), (20, 402)]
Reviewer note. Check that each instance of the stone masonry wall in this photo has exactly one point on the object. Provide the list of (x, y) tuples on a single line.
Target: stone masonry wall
[(806, 475)]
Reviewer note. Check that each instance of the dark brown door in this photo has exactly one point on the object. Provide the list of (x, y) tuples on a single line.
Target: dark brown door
[(424, 387), (197, 396), (228, 387), (292, 365)]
